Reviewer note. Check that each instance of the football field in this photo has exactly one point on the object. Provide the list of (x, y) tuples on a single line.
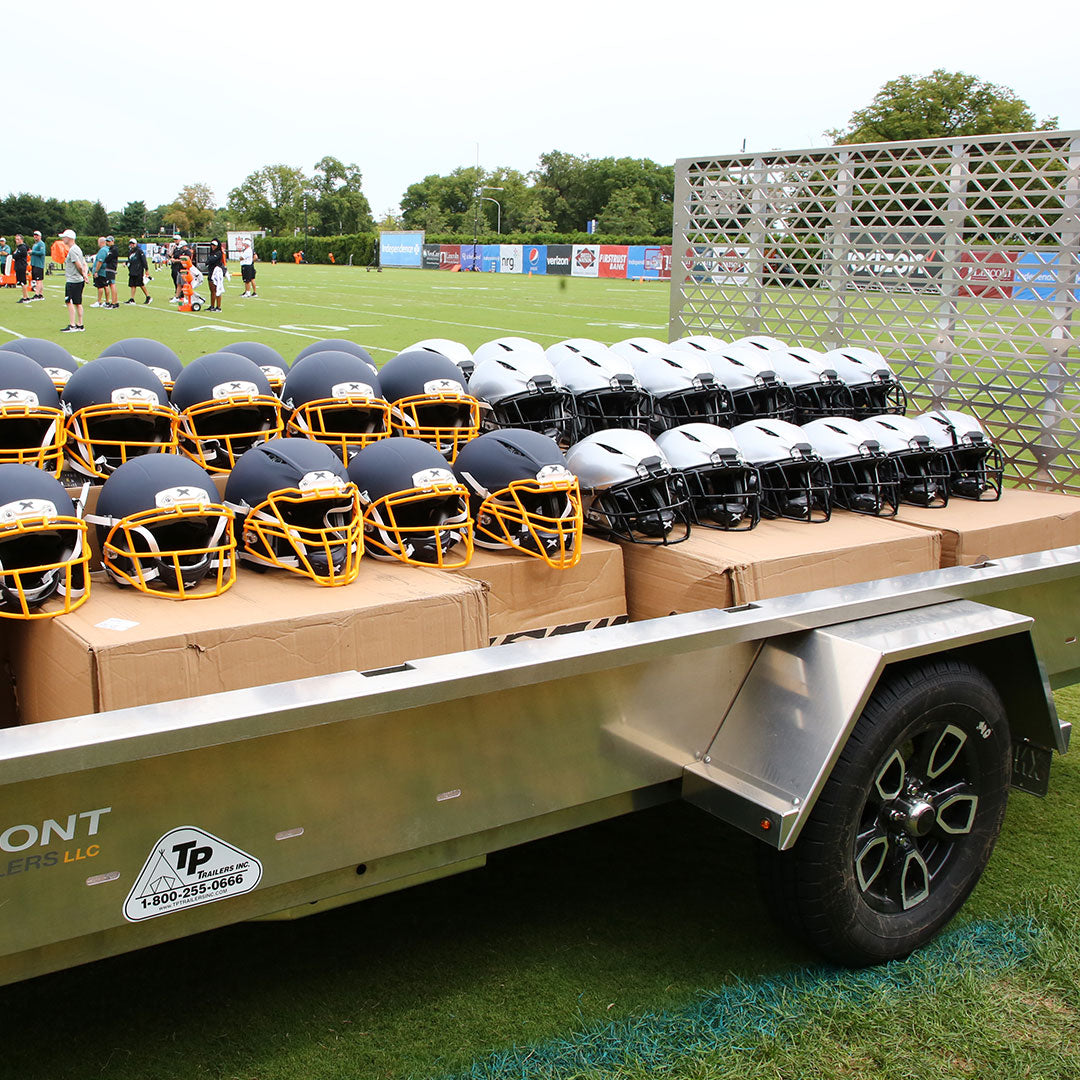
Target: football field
[(385, 312)]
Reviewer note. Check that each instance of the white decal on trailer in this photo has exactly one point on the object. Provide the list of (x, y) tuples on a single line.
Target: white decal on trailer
[(188, 867)]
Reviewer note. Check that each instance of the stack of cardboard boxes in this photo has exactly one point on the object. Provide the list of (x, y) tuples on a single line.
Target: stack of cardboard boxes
[(123, 648)]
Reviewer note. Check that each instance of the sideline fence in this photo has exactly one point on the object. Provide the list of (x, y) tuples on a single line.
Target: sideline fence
[(957, 259)]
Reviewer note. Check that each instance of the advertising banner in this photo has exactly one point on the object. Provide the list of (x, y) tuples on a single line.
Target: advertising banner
[(613, 259), (535, 259), (559, 258), (429, 256), (648, 262), (469, 256), (489, 258), (233, 241), (509, 258), (904, 261), (987, 272), (586, 262), (449, 256), (401, 249), (1037, 276)]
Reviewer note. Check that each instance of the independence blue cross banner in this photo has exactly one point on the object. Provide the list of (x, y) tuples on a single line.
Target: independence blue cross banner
[(401, 249)]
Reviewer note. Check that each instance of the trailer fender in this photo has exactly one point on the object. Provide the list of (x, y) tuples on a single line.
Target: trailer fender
[(777, 743)]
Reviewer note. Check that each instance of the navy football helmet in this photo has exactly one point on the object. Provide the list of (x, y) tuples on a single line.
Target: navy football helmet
[(522, 496), (414, 508), (297, 509), (164, 531)]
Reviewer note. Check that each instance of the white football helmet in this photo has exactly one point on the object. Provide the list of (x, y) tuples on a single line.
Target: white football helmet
[(795, 481), (629, 488), (975, 463), (923, 471), (864, 478), (606, 392), (817, 388), (723, 488), (683, 389), (874, 387), (523, 390)]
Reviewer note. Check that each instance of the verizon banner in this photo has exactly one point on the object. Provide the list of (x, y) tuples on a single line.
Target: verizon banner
[(586, 262), (558, 258)]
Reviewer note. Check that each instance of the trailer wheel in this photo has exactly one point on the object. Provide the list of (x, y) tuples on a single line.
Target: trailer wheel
[(906, 821), (196, 306)]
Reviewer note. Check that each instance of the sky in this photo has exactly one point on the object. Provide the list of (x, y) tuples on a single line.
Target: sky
[(134, 101)]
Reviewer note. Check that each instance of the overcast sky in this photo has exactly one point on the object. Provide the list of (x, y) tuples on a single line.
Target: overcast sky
[(124, 101)]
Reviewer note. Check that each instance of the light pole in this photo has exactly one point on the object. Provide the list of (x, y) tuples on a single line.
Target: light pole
[(498, 207)]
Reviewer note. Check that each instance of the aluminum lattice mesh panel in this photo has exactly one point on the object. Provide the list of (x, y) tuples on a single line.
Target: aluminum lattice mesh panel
[(956, 259)]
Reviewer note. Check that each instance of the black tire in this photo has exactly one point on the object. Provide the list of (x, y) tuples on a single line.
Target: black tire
[(906, 821), (196, 306)]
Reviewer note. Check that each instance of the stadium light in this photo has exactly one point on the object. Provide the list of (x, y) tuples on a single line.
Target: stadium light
[(498, 207)]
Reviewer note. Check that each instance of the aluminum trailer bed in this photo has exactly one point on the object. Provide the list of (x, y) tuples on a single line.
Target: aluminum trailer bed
[(121, 830)]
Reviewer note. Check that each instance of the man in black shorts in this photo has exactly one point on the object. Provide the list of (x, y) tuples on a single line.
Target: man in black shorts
[(19, 257), (247, 267), (37, 267), (76, 276)]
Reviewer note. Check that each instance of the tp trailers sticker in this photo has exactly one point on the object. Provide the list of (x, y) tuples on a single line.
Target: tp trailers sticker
[(188, 867)]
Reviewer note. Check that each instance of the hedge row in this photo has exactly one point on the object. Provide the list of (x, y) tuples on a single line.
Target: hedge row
[(361, 246)]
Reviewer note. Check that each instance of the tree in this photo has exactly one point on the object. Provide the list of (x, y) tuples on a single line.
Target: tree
[(626, 212), (193, 209), (340, 203), (270, 198), (97, 220), (132, 219), (939, 105), (444, 203)]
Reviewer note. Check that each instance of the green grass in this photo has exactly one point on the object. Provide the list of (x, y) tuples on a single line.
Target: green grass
[(633, 949), (384, 312)]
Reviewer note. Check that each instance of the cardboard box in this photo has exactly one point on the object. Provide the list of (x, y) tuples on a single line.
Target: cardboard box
[(689, 576), (1019, 522), (526, 596), (718, 569), (124, 648)]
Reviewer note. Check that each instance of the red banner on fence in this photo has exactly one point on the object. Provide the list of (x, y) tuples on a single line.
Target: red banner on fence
[(613, 261), (988, 272)]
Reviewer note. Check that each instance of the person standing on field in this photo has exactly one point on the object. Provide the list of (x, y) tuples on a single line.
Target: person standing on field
[(97, 271), (215, 271), (19, 257), (247, 268), (76, 278), (112, 261), (37, 267), (137, 269)]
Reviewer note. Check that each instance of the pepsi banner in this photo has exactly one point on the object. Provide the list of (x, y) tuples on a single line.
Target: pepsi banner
[(535, 259), (586, 262), (401, 249)]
